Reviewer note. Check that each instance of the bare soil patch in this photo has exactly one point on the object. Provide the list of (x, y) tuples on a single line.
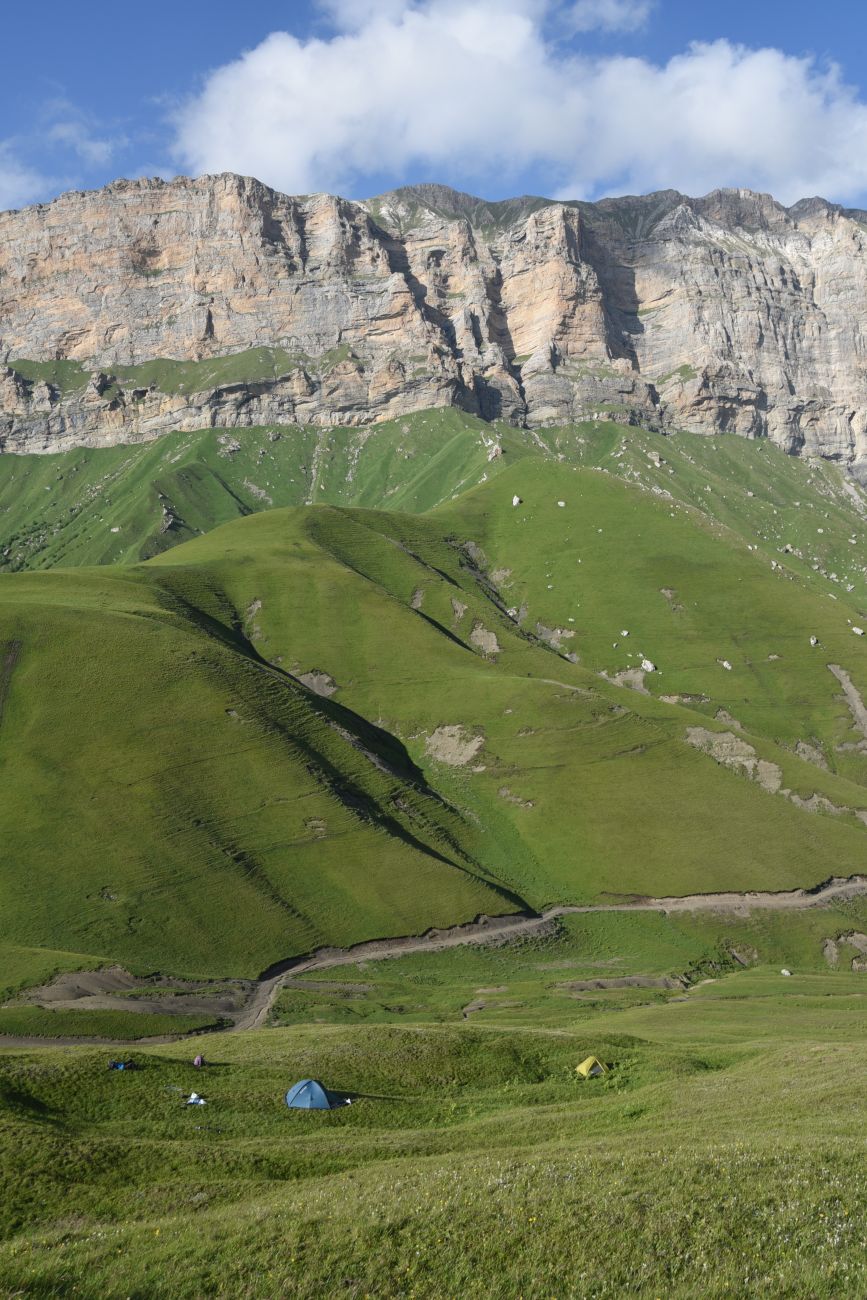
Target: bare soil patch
[(453, 745), (731, 751), (623, 982), (853, 939), (485, 640), (115, 989), (505, 793), (853, 699), (632, 678), (319, 682), (812, 754)]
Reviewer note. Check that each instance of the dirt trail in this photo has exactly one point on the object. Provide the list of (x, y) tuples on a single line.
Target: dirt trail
[(501, 929), (853, 698), (624, 982)]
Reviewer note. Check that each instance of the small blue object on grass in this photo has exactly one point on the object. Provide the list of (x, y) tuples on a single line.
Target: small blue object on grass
[(309, 1094)]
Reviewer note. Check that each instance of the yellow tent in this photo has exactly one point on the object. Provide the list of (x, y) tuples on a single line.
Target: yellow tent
[(591, 1068)]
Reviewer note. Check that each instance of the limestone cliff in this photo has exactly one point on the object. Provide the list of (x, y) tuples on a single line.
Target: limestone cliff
[(153, 305)]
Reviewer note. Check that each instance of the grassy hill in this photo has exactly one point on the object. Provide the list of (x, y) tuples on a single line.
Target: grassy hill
[(459, 761), (323, 686), (171, 800), (123, 504), (723, 1155)]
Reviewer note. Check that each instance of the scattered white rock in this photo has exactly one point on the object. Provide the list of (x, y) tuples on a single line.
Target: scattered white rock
[(814, 640), (859, 631), (648, 666), (624, 633), (115, 530), (561, 504), (516, 500), (785, 972), (724, 663)]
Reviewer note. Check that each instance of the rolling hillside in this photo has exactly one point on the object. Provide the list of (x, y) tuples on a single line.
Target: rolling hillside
[(123, 504), (324, 724), (323, 689)]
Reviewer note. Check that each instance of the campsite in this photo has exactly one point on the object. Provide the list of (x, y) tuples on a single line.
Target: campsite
[(469, 1146)]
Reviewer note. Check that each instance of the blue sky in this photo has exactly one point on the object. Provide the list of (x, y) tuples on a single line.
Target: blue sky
[(566, 97)]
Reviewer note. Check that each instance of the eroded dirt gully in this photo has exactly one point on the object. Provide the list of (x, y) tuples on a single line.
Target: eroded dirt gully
[(94, 990)]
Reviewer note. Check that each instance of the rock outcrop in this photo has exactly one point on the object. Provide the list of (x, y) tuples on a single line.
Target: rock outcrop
[(152, 305)]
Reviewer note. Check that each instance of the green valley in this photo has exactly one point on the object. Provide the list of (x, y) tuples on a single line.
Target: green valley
[(295, 723)]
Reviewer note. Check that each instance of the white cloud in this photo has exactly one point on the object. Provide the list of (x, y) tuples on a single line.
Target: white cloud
[(349, 15), (62, 148), (73, 131), (73, 135), (482, 93), (607, 15), (19, 184)]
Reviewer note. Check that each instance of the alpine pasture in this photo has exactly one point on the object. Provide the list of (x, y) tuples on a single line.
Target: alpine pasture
[(266, 698)]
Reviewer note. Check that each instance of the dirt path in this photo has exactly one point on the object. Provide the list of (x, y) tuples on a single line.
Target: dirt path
[(497, 929), (489, 930), (853, 698), (837, 889), (504, 928)]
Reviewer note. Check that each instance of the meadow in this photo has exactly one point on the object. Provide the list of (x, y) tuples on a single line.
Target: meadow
[(344, 723), (308, 688), (723, 1154)]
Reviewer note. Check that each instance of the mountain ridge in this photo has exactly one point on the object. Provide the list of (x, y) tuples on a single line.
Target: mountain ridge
[(727, 313), (448, 199)]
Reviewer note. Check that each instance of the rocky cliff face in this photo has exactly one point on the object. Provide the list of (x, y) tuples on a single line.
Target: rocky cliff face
[(152, 305)]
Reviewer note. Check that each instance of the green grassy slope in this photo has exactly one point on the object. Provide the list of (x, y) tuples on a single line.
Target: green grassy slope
[(463, 763), (578, 792), (158, 712), (62, 508), (723, 1155), (122, 504), (689, 593), (177, 797), (171, 801)]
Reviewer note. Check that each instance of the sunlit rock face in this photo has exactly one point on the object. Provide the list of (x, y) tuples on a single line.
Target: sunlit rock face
[(728, 314)]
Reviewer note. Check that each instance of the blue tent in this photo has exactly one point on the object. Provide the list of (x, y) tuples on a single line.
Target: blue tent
[(309, 1095)]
